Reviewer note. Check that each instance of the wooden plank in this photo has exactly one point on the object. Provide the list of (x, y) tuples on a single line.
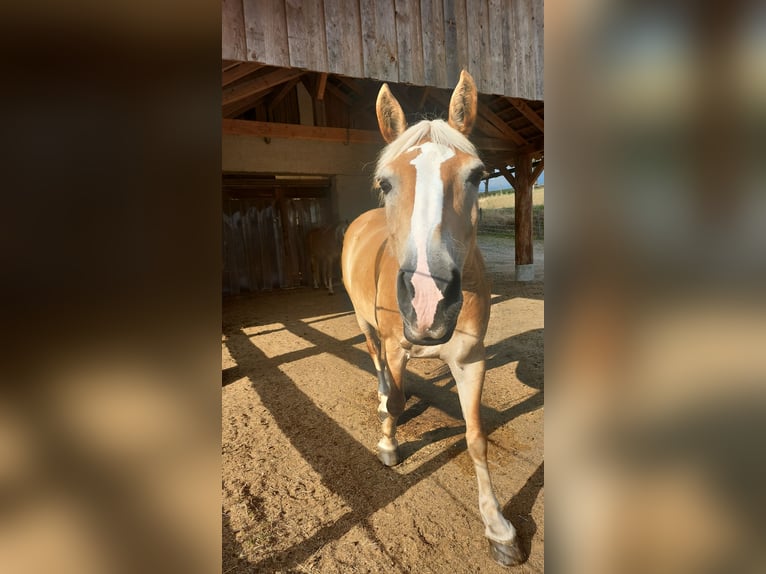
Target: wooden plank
[(258, 85), (244, 96), (409, 42), (495, 80), (528, 113), (344, 37), (494, 144), (483, 77), (434, 56), (511, 76), (238, 72), (306, 34), (463, 35), (500, 124), (275, 101), (266, 32), (523, 15), (450, 42), (379, 40), (295, 131), (482, 125), (321, 84), (475, 34), (297, 33), (233, 42), (538, 18), (237, 108)]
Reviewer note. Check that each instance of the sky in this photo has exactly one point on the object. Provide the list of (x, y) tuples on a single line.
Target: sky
[(502, 183)]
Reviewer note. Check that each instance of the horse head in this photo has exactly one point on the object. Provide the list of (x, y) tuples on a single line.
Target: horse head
[(428, 177)]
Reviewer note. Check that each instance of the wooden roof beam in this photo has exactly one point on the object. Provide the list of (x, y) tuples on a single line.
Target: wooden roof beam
[(500, 124), (282, 93), (241, 70), (351, 84), (321, 84), (237, 108), (338, 93), (296, 131), (538, 169), (259, 85), (528, 113)]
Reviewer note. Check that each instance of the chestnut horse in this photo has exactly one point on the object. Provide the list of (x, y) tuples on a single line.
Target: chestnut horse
[(416, 277), (324, 245)]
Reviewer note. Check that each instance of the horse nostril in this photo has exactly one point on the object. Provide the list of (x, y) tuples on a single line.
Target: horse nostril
[(453, 287), (404, 284)]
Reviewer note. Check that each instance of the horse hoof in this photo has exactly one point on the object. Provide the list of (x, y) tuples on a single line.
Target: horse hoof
[(389, 457), (506, 553)]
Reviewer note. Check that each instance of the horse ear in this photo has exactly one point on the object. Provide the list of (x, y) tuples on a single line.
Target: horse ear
[(462, 105), (390, 115)]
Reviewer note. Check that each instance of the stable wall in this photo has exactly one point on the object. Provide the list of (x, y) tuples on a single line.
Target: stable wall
[(352, 165)]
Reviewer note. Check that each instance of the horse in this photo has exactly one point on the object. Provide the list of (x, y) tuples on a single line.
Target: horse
[(324, 247), (417, 281)]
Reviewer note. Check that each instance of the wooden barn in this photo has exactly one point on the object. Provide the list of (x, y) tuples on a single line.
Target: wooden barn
[(300, 137)]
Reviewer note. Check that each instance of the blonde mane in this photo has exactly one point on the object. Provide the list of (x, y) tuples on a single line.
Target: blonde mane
[(437, 131)]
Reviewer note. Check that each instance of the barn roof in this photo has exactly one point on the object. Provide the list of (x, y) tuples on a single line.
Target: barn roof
[(263, 101), (337, 53)]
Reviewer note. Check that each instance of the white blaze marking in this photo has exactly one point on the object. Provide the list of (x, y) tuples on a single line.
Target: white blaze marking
[(426, 216)]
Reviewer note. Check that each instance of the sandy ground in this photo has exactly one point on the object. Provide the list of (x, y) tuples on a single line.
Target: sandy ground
[(302, 488)]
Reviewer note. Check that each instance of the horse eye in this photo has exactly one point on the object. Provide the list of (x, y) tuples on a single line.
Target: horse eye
[(385, 185), (475, 177)]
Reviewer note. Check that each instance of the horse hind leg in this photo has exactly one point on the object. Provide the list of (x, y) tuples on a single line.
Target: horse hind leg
[(328, 276), (315, 271), (503, 542)]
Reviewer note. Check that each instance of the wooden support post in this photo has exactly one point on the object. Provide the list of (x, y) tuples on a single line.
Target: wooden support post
[(525, 269)]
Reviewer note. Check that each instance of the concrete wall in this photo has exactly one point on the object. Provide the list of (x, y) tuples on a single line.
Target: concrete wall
[(352, 165)]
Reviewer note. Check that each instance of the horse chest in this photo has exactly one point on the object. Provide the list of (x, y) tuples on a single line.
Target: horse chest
[(424, 352)]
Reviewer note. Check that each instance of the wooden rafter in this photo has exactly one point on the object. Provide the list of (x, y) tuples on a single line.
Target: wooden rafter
[(338, 93), (528, 113), (321, 84), (284, 90), (500, 124), (351, 84), (239, 71), (259, 85), (233, 110), (481, 123)]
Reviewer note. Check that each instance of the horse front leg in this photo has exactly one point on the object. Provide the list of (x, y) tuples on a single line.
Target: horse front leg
[(392, 400), (503, 541)]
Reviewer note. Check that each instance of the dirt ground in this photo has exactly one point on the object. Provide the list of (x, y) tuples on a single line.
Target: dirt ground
[(303, 490)]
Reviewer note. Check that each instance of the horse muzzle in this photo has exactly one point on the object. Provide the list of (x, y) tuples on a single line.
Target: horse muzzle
[(429, 305)]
